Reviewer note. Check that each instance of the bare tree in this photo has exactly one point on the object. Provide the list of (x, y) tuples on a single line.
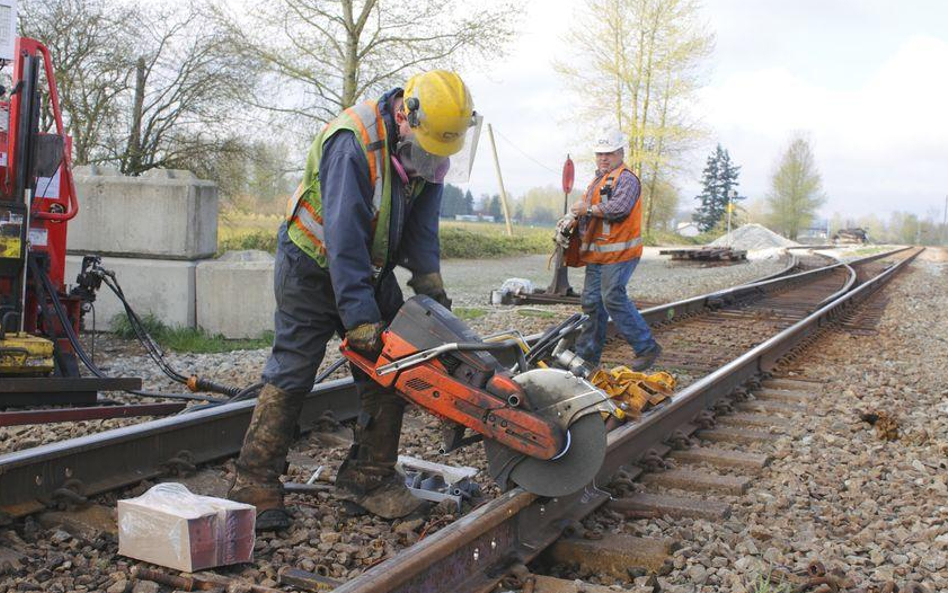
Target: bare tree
[(318, 57), (636, 64), (183, 101), (796, 188), (91, 46), (141, 87)]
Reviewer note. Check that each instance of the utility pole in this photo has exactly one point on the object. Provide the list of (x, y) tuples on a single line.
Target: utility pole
[(944, 224), (500, 181), (730, 206)]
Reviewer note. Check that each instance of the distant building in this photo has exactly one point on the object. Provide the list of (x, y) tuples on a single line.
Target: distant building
[(818, 232), (474, 218)]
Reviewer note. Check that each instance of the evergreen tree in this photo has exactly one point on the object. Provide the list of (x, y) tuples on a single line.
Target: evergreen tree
[(468, 206), (719, 179), (495, 209), (452, 201)]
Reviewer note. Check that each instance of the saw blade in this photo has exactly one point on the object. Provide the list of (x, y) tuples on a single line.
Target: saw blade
[(573, 469), (561, 396)]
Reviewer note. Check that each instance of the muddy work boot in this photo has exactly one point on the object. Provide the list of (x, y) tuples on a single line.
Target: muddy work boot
[(645, 359), (367, 480), (263, 457)]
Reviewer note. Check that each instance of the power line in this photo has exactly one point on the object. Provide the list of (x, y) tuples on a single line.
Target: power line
[(524, 153)]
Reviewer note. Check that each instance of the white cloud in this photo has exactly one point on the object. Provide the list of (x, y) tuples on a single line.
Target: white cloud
[(880, 146)]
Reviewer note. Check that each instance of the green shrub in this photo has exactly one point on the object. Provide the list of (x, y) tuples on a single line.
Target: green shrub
[(463, 241), (263, 240)]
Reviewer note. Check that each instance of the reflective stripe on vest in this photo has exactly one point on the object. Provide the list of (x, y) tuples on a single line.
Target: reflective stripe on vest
[(611, 247), (303, 209), (611, 242), (368, 115)]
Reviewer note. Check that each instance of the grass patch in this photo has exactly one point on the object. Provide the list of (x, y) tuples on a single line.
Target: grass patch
[(468, 313), (664, 238), (264, 240), (536, 313), (459, 240), (480, 240), (185, 339), (766, 584)]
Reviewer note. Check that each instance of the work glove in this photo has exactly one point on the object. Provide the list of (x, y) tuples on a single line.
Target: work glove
[(366, 339), (430, 285), (564, 230)]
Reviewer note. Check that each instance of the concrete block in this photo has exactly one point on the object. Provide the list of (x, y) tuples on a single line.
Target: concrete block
[(162, 214), (235, 294), (164, 288)]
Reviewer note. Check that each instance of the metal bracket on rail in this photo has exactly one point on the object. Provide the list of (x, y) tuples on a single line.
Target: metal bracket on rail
[(679, 440), (70, 496), (182, 464), (705, 420), (652, 461)]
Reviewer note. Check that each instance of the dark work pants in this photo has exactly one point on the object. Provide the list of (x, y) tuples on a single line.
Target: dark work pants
[(605, 295), (306, 317)]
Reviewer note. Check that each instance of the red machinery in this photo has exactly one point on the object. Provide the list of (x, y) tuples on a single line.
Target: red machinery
[(38, 357)]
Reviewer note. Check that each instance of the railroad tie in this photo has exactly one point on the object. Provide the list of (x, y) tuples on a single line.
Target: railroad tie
[(612, 555)]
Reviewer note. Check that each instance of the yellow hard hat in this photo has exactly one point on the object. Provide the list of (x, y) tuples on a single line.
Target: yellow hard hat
[(439, 110)]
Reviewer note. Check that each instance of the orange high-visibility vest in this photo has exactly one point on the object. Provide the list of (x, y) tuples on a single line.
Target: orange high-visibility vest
[(609, 242)]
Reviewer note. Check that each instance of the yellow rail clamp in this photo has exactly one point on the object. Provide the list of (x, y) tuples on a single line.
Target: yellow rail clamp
[(634, 392)]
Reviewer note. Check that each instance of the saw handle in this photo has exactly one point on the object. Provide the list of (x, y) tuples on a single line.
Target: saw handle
[(426, 355)]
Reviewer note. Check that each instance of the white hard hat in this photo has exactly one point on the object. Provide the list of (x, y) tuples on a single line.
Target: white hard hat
[(609, 140)]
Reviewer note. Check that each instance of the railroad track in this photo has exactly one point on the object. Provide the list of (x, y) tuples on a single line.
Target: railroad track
[(477, 551), (54, 473), (495, 542)]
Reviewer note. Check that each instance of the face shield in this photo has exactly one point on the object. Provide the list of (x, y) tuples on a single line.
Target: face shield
[(456, 168), (463, 160)]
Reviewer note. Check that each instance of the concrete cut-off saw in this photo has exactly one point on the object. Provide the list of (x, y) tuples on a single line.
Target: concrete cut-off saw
[(542, 423)]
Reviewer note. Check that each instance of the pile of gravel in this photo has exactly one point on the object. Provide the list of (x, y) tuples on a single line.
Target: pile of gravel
[(753, 236)]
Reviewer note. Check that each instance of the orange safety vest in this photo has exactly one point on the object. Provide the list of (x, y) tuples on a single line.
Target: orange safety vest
[(608, 242)]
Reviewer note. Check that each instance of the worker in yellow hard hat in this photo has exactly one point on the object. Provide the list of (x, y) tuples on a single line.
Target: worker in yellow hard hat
[(369, 200)]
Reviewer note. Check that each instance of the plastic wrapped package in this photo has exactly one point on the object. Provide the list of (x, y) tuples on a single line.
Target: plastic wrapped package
[(516, 286), (171, 527)]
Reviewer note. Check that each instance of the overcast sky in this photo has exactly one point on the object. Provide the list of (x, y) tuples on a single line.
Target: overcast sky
[(866, 79)]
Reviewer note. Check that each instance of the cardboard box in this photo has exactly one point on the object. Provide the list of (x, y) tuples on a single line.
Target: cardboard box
[(171, 527)]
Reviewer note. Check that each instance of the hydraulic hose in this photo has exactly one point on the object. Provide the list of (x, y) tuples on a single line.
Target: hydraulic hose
[(45, 289)]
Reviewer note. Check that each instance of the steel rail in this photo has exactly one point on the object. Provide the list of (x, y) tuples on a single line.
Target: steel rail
[(107, 460), (474, 553), (112, 459), (690, 306)]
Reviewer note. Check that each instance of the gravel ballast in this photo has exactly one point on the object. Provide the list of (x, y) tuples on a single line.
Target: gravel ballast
[(875, 510), (800, 510)]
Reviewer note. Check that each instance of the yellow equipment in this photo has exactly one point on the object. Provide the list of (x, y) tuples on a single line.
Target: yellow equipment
[(25, 354), (634, 392)]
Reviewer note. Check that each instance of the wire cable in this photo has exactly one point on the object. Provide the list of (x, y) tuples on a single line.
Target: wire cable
[(524, 153), (46, 294)]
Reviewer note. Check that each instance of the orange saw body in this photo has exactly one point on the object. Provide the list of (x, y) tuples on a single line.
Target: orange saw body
[(542, 426), (478, 393)]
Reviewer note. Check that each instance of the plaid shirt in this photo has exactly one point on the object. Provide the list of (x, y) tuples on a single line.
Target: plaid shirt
[(625, 193)]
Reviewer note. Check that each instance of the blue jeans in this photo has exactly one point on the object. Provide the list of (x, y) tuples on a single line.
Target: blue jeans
[(605, 296)]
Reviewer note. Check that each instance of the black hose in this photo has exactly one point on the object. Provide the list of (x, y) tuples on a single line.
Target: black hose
[(44, 289)]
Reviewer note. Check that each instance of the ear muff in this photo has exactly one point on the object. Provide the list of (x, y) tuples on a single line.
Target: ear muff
[(411, 107)]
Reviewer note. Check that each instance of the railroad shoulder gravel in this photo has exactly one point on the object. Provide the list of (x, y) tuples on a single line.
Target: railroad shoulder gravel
[(836, 493)]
